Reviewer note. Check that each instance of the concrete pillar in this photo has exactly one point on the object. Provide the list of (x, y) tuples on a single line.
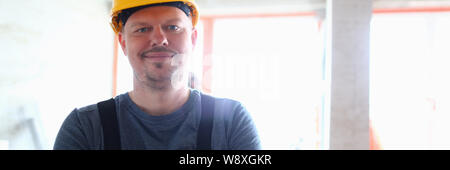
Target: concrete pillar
[(348, 46)]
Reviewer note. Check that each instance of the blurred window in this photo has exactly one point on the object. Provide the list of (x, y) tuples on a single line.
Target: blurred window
[(409, 90), (273, 65)]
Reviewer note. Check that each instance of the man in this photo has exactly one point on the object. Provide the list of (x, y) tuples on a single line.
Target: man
[(161, 112)]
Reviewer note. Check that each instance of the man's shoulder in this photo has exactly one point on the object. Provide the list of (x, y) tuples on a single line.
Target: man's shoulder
[(86, 116), (88, 109), (88, 112), (223, 101), (80, 130), (228, 108), (92, 108)]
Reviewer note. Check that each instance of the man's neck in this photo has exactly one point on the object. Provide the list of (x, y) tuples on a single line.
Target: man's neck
[(159, 102)]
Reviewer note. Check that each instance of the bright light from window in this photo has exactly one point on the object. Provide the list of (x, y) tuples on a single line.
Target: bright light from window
[(409, 83), (274, 67), (4, 144)]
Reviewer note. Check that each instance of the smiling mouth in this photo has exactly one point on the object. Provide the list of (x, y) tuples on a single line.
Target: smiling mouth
[(158, 55)]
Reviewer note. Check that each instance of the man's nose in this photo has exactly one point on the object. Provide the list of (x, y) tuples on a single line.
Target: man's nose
[(158, 38)]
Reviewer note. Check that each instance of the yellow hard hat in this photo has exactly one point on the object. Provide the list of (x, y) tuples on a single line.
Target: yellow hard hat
[(119, 5)]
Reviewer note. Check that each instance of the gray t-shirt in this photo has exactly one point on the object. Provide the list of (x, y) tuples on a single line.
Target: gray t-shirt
[(233, 128)]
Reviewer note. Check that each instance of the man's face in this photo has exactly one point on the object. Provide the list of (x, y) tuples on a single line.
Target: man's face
[(157, 41)]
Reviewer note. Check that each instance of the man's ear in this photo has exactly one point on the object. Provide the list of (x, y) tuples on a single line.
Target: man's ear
[(194, 37), (122, 43)]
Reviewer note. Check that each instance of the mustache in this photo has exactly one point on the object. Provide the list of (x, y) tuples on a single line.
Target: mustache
[(158, 49)]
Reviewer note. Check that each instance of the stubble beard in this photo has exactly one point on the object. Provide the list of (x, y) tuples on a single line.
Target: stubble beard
[(173, 75), (167, 81)]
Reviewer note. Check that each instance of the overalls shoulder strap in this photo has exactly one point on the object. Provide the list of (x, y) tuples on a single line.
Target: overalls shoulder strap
[(108, 118), (206, 123)]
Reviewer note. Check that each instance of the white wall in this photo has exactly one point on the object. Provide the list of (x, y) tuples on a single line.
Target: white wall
[(55, 55)]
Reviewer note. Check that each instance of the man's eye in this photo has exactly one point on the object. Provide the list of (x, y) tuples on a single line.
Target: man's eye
[(173, 27), (142, 29)]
